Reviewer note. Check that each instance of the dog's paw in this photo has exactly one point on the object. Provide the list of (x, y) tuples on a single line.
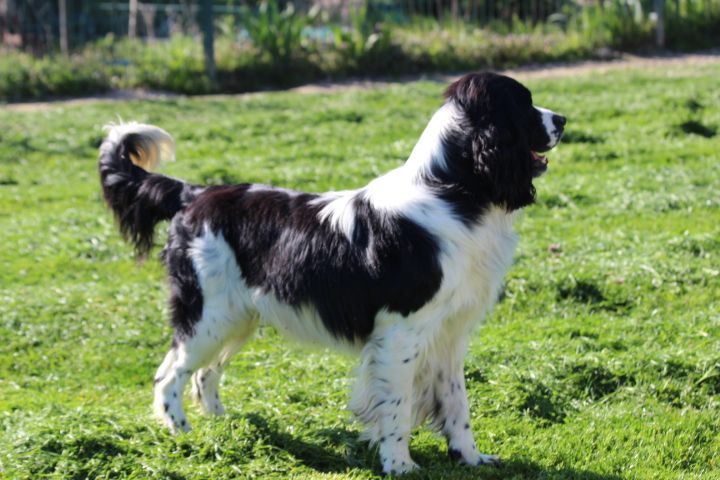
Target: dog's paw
[(474, 458), (491, 460), (176, 425), (172, 417), (398, 467)]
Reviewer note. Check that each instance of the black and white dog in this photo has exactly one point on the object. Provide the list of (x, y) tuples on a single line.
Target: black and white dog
[(399, 271)]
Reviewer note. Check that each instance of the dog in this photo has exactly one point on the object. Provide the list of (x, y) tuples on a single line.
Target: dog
[(398, 271)]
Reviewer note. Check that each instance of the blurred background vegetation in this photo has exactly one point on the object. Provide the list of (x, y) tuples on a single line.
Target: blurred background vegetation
[(80, 47)]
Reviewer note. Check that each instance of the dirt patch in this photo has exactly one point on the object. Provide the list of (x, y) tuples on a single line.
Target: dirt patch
[(673, 63)]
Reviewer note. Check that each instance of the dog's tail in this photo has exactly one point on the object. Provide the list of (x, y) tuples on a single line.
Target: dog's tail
[(138, 198)]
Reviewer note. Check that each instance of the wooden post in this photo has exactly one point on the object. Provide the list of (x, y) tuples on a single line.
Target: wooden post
[(148, 15), (62, 20), (132, 18), (206, 24), (660, 25)]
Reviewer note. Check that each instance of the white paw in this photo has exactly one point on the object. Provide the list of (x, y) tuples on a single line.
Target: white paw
[(208, 401), (395, 455), (492, 460), (398, 466), (175, 424), (179, 426), (172, 416), (474, 458)]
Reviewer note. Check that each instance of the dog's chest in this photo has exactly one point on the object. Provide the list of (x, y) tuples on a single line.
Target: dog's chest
[(475, 264)]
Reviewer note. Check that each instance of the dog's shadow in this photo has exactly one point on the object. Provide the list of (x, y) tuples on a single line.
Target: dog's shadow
[(346, 452), (355, 454)]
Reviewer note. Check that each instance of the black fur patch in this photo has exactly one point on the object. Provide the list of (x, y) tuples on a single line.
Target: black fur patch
[(139, 199), (454, 454), (282, 247), (186, 300)]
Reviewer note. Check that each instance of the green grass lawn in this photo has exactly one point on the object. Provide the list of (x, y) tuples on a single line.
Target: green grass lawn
[(602, 360)]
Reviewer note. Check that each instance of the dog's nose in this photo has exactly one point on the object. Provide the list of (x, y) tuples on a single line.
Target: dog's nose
[(559, 121)]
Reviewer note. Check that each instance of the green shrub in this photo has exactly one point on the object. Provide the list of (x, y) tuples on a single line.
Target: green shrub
[(176, 65), (277, 34), (24, 76), (453, 50), (618, 24), (693, 25), (270, 47)]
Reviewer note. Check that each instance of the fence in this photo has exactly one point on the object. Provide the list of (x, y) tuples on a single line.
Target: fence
[(40, 25)]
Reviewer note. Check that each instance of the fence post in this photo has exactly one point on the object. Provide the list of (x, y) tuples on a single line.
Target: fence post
[(660, 25), (132, 18), (206, 24), (62, 20)]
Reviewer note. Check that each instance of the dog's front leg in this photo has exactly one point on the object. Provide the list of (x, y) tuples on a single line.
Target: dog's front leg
[(453, 415), (383, 397)]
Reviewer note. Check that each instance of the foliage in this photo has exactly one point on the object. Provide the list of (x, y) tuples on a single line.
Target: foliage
[(270, 46), (618, 23), (630, 24), (600, 362), (693, 24), (24, 76), (276, 33), (461, 48), (362, 43)]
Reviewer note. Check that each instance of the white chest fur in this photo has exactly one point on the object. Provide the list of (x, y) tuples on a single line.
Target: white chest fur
[(474, 262), (481, 261)]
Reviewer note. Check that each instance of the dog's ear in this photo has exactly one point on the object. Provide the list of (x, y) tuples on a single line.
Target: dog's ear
[(500, 144), (501, 159)]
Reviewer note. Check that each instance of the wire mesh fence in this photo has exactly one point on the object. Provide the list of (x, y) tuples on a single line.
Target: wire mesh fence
[(42, 25), (203, 46)]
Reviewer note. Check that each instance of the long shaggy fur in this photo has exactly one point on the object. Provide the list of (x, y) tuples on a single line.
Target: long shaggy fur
[(138, 198), (398, 271)]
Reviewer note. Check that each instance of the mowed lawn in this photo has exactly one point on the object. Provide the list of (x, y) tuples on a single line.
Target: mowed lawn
[(602, 360)]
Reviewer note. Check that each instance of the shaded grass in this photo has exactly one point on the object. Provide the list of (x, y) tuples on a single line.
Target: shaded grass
[(600, 362)]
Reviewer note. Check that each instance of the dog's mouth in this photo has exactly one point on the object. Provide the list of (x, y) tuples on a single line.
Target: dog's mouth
[(539, 163)]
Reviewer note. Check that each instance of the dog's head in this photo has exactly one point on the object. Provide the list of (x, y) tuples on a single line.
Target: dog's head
[(505, 135)]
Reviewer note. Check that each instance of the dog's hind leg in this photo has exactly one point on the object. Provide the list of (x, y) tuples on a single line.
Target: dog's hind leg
[(206, 381), (208, 306), (194, 349), (189, 354)]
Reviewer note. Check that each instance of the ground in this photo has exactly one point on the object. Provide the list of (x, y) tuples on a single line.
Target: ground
[(600, 362)]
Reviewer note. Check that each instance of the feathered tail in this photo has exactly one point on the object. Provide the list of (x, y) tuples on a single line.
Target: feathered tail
[(138, 198)]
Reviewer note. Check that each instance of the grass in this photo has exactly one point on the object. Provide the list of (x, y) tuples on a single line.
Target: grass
[(601, 362)]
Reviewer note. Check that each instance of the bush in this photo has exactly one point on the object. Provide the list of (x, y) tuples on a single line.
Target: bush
[(280, 48), (463, 49), (695, 26), (24, 76)]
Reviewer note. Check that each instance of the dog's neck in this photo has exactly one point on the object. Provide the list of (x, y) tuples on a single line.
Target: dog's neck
[(429, 153), (444, 160)]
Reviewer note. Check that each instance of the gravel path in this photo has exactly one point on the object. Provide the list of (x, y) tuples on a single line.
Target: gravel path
[(679, 62)]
